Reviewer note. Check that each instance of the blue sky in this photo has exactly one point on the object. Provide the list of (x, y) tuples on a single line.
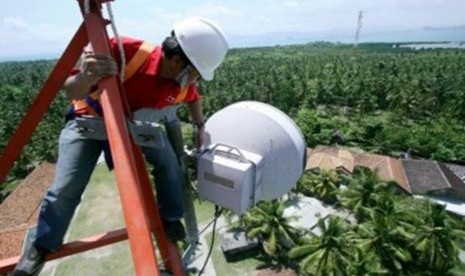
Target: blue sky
[(43, 28)]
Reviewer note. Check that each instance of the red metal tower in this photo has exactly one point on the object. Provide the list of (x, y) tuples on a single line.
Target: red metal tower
[(139, 207)]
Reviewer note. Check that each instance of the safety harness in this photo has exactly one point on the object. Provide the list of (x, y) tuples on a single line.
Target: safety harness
[(90, 105)]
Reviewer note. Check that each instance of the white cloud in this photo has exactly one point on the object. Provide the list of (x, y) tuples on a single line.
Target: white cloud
[(52, 23), (18, 38), (291, 4), (14, 23)]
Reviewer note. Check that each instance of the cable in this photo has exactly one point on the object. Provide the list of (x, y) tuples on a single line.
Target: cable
[(218, 211), (118, 40), (86, 6), (115, 32), (206, 227)]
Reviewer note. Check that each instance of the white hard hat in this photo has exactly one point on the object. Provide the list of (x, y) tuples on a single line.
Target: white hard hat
[(203, 43)]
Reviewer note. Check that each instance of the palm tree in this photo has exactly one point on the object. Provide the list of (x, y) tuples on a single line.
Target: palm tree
[(328, 254), (322, 185), (266, 221), (363, 192), (436, 240), (387, 232), (366, 263)]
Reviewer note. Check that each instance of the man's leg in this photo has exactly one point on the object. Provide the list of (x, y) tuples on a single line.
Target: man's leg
[(169, 183), (76, 161)]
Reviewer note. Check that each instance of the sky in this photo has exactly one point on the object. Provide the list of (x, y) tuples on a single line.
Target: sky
[(31, 29)]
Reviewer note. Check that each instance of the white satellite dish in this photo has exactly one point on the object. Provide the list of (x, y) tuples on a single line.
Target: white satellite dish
[(253, 152)]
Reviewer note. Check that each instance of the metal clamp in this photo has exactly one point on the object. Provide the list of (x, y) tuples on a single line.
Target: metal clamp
[(92, 127), (144, 134)]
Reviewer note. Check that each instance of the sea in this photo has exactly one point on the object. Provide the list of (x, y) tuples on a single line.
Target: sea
[(453, 37)]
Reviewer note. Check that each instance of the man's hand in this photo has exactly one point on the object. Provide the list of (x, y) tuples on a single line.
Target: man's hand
[(199, 134), (96, 67)]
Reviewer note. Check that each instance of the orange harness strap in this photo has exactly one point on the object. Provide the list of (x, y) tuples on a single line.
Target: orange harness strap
[(181, 95), (137, 60)]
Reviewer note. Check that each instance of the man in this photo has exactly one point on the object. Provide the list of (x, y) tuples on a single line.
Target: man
[(159, 80)]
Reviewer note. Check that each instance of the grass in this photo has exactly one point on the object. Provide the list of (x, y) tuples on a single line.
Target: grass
[(223, 267), (114, 259), (204, 211), (100, 212)]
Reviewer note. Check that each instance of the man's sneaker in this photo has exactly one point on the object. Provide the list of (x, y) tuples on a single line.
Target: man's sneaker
[(174, 230), (31, 262)]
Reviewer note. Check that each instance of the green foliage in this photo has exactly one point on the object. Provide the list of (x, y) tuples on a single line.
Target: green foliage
[(328, 254), (384, 233), (322, 185), (395, 234), (386, 100), (19, 85), (437, 239), (414, 84), (364, 191), (266, 221)]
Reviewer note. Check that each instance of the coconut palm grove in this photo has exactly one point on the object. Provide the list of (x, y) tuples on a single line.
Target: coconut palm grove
[(381, 97)]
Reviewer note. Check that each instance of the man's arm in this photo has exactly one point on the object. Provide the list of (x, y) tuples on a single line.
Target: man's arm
[(94, 68), (195, 110)]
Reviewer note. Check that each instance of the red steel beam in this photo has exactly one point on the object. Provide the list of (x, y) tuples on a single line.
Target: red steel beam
[(140, 239), (145, 197), (72, 248), (42, 102), (168, 250)]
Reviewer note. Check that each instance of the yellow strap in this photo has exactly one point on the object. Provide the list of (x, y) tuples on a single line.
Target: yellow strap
[(137, 60)]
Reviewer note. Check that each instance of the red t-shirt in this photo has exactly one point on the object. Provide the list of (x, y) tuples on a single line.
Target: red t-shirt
[(146, 88)]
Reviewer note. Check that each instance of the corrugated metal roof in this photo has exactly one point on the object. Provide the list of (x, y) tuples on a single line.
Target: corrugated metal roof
[(455, 183), (427, 176), (457, 170)]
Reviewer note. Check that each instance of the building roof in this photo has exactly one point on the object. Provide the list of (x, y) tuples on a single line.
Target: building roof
[(20, 209), (426, 176), (330, 158), (414, 176), (389, 169), (458, 170)]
